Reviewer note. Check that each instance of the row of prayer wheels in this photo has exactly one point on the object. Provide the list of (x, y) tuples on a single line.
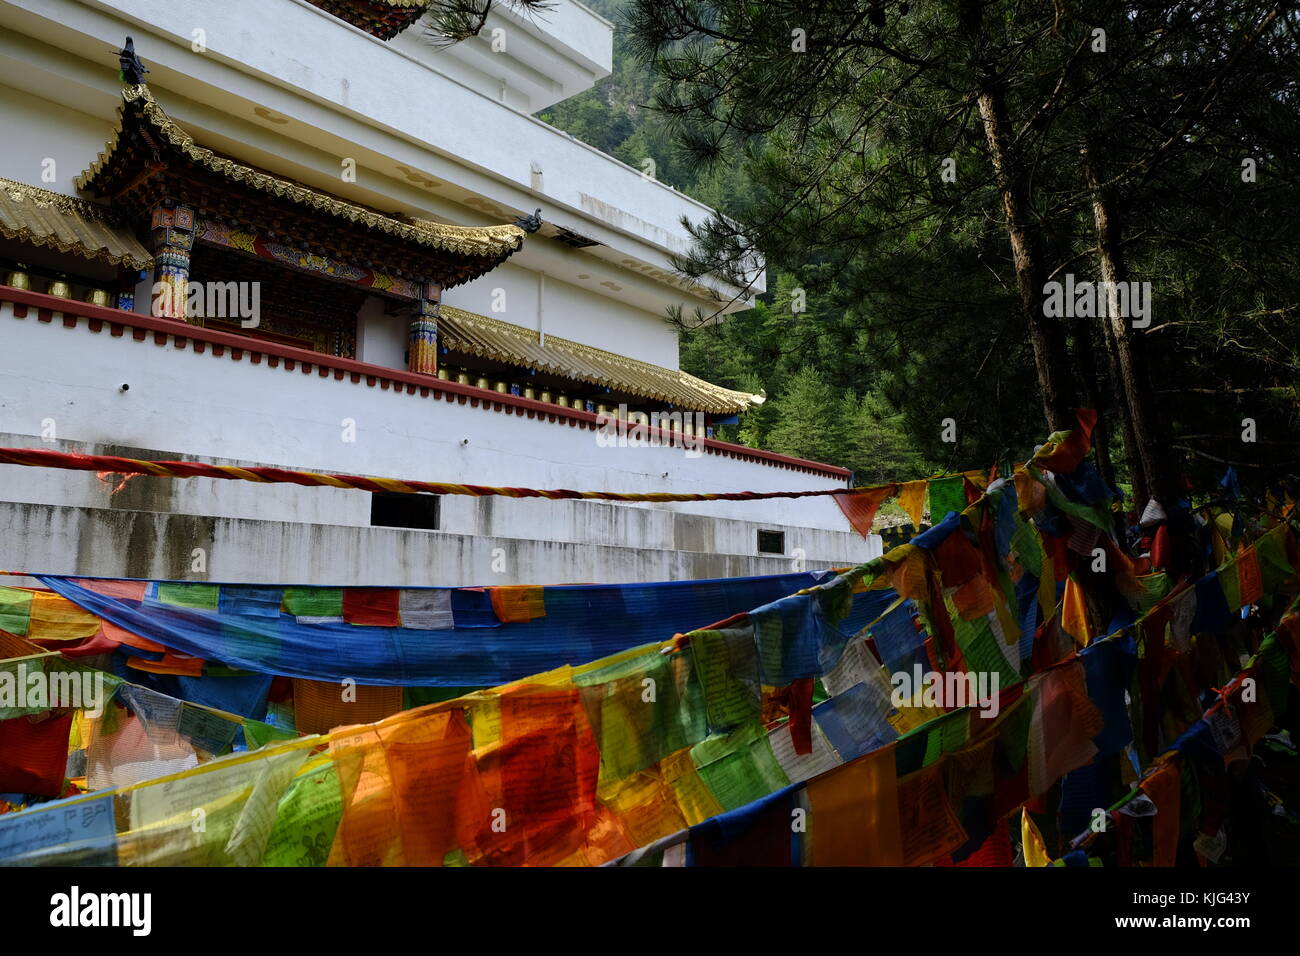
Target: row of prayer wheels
[(463, 377), (59, 288)]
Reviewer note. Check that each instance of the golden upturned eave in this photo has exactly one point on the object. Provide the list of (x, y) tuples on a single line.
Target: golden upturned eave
[(68, 224), (463, 240), (491, 338)]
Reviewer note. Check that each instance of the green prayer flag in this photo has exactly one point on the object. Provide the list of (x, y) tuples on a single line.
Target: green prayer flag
[(306, 821), (258, 734), (726, 666), (314, 602), (15, 610), (1274, 568), (1230, 584), (946, 494), (740, 767), (201, 597)]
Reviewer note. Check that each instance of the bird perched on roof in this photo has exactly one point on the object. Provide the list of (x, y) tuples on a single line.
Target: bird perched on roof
[(530, 223), (133, 70)]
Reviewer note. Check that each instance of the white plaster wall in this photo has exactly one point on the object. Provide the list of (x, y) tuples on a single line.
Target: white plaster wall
[(381, 339), (518, 304), (570, 312), (212, 407), (34, 130), (577, 314), (543, 57)]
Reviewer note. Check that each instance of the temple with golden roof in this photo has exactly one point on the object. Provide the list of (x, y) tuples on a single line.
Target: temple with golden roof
[(301, 234)]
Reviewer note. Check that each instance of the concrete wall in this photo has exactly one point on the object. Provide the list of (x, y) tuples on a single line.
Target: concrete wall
[(118, 543)]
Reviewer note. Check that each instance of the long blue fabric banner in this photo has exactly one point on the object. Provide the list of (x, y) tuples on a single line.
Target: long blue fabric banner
[(434, 637)]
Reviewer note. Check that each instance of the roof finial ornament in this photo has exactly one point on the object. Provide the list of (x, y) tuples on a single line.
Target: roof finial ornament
[(531, 223), (133, 70)]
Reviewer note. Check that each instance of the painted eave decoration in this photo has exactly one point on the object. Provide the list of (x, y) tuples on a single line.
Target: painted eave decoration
[(143, 127)]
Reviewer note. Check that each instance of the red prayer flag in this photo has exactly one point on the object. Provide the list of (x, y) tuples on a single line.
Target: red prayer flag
[(860, 506), (372, 607)]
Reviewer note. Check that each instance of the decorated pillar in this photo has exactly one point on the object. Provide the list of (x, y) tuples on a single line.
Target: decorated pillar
[(422, 356), (172, 232)]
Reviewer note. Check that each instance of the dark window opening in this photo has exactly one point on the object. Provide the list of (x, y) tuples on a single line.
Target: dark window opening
[(392, 509), (771, 542), (574, 239)]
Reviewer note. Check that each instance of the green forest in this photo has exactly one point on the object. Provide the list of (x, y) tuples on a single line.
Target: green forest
[(915, 175), (829, 400)]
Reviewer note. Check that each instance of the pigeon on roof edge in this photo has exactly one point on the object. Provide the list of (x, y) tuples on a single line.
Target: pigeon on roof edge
[(133, 70)]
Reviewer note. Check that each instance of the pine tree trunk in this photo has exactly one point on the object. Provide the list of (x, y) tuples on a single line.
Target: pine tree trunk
[(1046, 338), (1130, 372), (1137, 474), (1084, 356)]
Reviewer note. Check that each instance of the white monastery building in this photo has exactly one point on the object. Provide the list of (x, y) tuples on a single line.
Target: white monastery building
[(403, 273)]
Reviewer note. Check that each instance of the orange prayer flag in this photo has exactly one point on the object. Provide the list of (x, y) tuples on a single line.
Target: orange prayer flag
[(1074, 613), (1252, 582), (906, 570), (929, 827), (367, 833), (1164, 787), (172, 663), (1031, 494), (518, 603), (974, 599), (427, 758), (855, 819), (911, 498), (319, 706)]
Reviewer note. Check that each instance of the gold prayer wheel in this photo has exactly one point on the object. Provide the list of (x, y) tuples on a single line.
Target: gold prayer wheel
[(482, 382), (60, 289), (529, 392), (18, 280), (546, 395), (501, 387), (602, 410), (100, 297), (562, 400), (444, 374), (462, 378)]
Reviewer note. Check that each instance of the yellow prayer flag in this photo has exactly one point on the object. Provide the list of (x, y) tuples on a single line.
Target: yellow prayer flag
[(1035, 850)]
